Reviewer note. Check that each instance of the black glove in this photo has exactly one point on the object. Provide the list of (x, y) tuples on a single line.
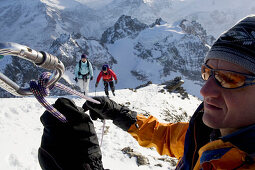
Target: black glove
[(76, 79), (109, 109), (71, 145), (91, 78), (96, 84), (116, 81)]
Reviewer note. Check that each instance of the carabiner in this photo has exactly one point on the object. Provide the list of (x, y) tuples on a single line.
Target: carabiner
[(41, 59)]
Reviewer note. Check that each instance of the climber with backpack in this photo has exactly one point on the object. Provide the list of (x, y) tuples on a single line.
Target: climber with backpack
[(108, 76), (83, 74)]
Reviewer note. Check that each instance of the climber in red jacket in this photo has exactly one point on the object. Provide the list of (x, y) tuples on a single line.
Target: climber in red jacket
[(108, 76)]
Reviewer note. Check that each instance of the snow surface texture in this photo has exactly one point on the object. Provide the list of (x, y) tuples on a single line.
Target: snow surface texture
[(21, 130)]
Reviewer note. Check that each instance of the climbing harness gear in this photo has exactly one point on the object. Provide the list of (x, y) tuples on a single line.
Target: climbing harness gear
[(46, 82)]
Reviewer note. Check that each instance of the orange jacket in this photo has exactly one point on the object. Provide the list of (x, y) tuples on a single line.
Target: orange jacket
[(192, 149)]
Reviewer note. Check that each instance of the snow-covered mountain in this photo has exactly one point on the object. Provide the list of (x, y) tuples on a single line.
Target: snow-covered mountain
[(112, 25), (157, 53), (21, 129), (39, 22), (136, 51)]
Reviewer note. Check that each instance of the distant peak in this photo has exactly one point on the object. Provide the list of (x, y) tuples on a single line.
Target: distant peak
[(125, 26), (158, 21)]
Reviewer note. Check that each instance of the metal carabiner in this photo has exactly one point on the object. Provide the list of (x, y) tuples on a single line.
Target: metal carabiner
[(41, 59)]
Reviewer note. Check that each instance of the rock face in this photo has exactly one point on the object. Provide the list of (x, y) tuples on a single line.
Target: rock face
[(124, 27), (194, 28), (158, 21)]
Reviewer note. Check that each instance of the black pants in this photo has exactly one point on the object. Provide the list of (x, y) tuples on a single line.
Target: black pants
[(106, 87)]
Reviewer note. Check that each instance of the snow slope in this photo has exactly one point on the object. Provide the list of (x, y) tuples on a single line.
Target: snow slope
[(21, 129)]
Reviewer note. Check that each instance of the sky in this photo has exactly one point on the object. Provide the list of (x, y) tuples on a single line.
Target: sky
[(21, 130)]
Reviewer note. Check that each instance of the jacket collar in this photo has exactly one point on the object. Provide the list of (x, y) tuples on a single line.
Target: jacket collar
[(244, 139)]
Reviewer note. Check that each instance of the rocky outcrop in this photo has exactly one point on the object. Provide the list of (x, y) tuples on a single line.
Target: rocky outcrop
[(124, 27), (175, 85), (158, 21), (140, 159), (194, 28)]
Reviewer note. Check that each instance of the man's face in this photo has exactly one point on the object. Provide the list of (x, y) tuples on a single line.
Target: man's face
[(227, 108), (83, 60)]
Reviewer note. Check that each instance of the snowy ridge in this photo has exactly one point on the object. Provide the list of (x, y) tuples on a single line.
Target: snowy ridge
[(21, 129)]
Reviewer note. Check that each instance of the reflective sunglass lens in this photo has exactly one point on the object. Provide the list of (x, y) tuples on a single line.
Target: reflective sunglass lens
[(205, 73), (229, 79)]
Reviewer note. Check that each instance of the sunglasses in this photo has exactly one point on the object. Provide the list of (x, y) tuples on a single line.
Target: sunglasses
[(227, 79)]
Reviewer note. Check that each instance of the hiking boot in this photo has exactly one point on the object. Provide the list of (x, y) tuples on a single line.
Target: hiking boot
[(113, 93), (108, 96)]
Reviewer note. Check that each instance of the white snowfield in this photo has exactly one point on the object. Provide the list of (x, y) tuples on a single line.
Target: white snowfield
[(21, 129)]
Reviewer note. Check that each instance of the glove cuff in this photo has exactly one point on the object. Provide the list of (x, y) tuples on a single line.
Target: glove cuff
[(125, 118)]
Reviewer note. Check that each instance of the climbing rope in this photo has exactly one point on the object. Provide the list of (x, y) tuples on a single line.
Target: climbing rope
[(40, 91)]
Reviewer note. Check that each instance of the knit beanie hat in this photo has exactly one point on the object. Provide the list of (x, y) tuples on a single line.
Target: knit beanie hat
[(237, 45), (83, 56)]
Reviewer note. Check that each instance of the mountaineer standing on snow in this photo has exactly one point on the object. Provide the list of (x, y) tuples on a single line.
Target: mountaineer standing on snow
[(83, 74), (220, 134), (108, 76)]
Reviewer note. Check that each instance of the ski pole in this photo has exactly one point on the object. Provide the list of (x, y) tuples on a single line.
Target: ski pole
[(102, 133), (102, 136)]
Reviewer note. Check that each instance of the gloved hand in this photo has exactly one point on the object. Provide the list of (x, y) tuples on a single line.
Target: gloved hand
[(96, 84), (91, 78), (71, 145), (76, 79), (116, 81), (109, 109)]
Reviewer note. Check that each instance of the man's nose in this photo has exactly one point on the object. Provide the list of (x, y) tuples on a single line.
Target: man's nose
[(210, 88)]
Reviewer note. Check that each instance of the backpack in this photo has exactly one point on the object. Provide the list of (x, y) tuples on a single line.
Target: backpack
[(79, 72)]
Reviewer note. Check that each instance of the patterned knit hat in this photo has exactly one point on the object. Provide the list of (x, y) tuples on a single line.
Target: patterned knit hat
[(237, 45)]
